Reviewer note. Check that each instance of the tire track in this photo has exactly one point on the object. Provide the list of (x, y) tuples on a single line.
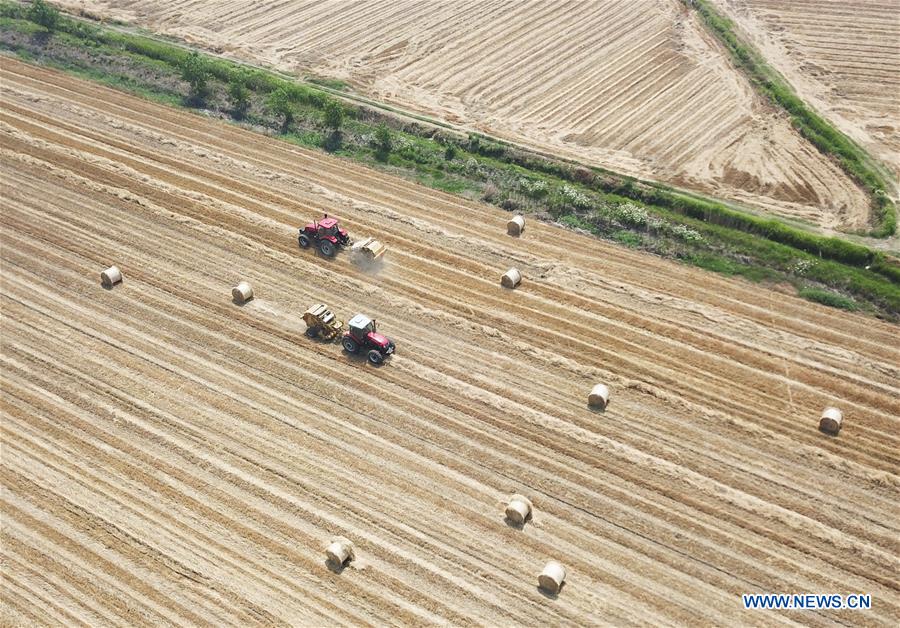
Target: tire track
[(194, 440)]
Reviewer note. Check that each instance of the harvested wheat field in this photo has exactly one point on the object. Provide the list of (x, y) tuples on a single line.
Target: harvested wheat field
[(171, 457), (841, 57), (638, 87)]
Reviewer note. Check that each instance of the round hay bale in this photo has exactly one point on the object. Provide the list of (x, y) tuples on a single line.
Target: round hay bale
[(340, 551), (830, 423), (511, 278), (599, 396), (242, 293), (515, 226), (518, 510), (553, 577), (110, 277)]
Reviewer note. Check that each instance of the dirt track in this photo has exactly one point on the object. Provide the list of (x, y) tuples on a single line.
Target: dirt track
[(169, 457), (638, 87)]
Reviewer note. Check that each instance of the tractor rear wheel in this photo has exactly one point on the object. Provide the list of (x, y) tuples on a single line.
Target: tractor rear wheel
[(327, 248), (303, 240), (312, 332), (375, 356), (350, 345)]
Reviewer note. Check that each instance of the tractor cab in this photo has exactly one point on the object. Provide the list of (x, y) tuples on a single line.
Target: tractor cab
[(361, 326), (327, 227), (361, 334)]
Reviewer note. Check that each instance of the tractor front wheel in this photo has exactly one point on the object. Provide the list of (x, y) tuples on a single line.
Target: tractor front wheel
[(375, 357), (350, 345), (327, 248), (304, 241)]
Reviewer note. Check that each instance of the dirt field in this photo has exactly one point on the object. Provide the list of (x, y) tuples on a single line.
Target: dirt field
[(170, 457), (638, 87), (843, 58)]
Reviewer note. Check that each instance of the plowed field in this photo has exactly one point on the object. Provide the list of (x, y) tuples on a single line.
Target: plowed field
[(638, 87), (842, 57), (170, 457)]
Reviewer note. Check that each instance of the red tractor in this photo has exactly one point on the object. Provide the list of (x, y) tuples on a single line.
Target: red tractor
[(361, 334), (325, 234)]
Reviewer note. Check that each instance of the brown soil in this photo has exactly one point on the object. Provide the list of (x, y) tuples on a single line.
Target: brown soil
[(170, 457)]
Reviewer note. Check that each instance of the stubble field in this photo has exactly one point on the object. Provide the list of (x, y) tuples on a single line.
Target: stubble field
[(842, 58), (638, 87), (170, 457)]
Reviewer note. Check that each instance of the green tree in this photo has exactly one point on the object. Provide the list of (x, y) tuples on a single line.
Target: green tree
[(383, 142), (240, 97), (195, 71), (450, 153), (334, 118), (44, 14), (334, 115), (281, 104)]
